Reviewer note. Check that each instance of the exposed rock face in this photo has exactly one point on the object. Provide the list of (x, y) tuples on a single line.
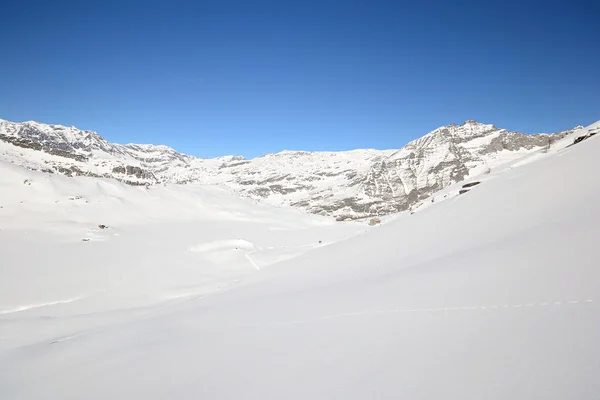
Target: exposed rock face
[(133, 171), (346, 185)]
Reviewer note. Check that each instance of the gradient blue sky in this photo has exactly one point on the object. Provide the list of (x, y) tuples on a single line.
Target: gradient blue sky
[(213, 78)]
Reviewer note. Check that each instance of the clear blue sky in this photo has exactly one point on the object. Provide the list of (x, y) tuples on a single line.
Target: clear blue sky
[(248, 77)]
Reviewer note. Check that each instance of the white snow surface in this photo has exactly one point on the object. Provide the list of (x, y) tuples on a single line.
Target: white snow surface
[(193, 292)]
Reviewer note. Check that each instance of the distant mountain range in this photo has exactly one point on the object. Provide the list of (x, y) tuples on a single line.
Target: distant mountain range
[(346, 185)]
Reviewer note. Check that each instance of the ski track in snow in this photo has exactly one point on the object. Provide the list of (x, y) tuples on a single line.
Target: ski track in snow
[(247, 255), (421, 310)]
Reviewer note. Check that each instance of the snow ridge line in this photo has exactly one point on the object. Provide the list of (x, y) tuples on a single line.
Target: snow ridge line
[(415, 310), (29, 307)]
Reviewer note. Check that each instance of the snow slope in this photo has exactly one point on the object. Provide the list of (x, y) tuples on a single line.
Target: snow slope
[(212, 231), (489, 294)]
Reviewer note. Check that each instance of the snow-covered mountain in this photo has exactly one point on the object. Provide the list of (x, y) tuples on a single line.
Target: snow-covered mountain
[(110, 291), (346, 185)]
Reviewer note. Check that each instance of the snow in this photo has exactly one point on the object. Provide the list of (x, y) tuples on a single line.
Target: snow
[(193, 292)]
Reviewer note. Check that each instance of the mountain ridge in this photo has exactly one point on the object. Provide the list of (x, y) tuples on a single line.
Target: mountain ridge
[(345, 184)]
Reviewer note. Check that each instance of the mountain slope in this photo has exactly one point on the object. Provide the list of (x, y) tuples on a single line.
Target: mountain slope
[(489, 295), (346, 185)]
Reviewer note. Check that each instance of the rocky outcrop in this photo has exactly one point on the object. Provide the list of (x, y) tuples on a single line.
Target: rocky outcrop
[(29, 144), (133, 171)]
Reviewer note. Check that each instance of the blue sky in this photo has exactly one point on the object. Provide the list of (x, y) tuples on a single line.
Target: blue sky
[(214, 78)]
